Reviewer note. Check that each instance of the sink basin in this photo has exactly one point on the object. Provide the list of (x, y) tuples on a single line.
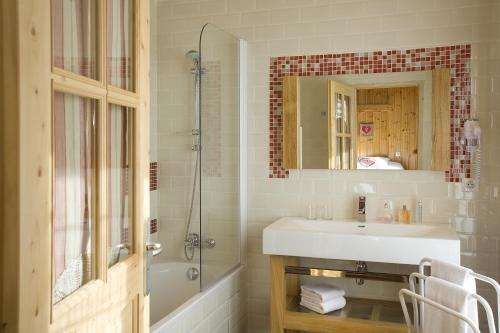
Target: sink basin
[(370, 241)]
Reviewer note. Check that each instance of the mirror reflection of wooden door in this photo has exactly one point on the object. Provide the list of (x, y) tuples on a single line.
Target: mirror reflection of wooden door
[(78, 167), (341, 101)]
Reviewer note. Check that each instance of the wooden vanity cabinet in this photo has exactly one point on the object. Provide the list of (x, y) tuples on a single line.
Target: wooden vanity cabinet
[(285, 290)]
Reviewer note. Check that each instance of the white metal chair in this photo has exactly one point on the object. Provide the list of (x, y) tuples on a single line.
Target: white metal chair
[(418, 318)]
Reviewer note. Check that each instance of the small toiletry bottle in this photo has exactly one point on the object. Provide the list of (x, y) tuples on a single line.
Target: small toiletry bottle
[(419, 215), (404, 215), (387, 217)]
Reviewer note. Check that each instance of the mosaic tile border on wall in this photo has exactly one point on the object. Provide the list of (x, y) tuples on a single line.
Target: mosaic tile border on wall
[(153, 176), (153, 186), (455, 57)]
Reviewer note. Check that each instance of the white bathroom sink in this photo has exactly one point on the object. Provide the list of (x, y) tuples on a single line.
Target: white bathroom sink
[(370, 241)]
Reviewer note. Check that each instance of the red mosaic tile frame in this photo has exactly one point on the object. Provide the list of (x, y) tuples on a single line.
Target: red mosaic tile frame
[(455, 57), (153, 226), (153, 176)]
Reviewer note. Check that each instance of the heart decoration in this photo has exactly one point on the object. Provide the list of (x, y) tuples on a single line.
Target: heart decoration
[(366, 129)]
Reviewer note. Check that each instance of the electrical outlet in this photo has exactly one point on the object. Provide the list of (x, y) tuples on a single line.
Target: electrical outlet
[(468, 185)]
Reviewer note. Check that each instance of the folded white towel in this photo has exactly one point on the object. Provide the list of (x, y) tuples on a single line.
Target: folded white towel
[(450, 295), (324, 307), (306, 298), (460, 276), (321, 292)]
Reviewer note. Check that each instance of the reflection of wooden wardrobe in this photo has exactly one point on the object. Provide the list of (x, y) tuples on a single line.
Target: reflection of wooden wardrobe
[(394, 115)]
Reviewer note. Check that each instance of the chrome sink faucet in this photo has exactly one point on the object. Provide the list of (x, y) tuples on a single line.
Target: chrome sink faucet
[(362, 209)]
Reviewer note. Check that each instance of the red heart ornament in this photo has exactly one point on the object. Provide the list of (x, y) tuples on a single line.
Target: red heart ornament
[(366, 129)]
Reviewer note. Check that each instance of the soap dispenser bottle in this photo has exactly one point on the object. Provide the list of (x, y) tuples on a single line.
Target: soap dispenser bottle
[(404, 215)]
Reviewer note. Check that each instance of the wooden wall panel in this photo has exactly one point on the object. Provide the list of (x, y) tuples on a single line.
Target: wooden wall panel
[(290, 112), (35, 206), (2, 121), (26, 173), (27, 150), (278, 293), (441, 119), (394, 114), (375, 96)]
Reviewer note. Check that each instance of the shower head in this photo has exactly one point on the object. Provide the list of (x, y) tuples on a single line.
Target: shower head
[(193, 55)]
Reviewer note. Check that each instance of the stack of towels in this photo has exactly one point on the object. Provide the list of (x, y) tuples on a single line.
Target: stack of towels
[(322, 298)]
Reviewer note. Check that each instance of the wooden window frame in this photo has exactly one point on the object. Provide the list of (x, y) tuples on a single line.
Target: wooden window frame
[(96, 232), (101, 36), (65, 81), (114, 90), (131, 110)]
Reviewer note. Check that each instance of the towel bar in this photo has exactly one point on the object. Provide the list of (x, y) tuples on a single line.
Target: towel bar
[(338, 273), (416, 297), (426, 262)]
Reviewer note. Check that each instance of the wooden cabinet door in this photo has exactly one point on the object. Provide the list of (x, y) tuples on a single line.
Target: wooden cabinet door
[(75, 184)]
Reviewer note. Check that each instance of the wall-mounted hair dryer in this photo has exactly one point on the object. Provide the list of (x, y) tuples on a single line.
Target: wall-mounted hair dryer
[(472, 134)]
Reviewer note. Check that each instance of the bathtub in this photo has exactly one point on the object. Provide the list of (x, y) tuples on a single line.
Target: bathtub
[(170, 287), (172, 293)]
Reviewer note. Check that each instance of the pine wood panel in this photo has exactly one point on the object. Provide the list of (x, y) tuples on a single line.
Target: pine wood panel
[(9, 167), (100, 303), (115, 301), (278, 293), (27, 165), (290, 115), (441, 119), (2, 107), (142, 157), (394, 114), (375, 96), (327, 324)]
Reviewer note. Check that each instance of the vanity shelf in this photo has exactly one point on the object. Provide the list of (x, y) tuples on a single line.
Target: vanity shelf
[(359, 315), (387, 315)]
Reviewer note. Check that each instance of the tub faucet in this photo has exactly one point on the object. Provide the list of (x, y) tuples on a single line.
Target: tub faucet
[(362, 209)]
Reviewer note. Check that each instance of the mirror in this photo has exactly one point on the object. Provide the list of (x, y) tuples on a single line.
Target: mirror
[(387, 121)]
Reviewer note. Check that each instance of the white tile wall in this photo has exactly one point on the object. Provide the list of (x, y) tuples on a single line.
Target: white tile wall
[(285, 27), (172, 119), (175, 120)]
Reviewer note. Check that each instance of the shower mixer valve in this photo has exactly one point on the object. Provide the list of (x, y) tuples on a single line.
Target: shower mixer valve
[(193, 241)]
